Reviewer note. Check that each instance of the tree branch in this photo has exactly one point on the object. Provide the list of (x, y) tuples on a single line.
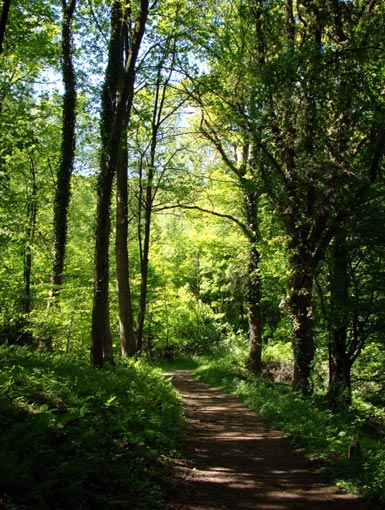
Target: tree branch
[(245, 229)]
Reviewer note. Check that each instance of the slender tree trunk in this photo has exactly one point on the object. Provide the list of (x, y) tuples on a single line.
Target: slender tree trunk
[(63, 184), (29, 235), (145, 258), (300, 305), (3, 22), (145, 249), (126, 329), (254, 311), (339, 391)]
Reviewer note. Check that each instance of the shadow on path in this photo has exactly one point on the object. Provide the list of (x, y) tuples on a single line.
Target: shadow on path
[(234, 460)]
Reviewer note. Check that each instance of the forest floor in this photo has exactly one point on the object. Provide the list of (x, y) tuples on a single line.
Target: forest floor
[(234, 460)]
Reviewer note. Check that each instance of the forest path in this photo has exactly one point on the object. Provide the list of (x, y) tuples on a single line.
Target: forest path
[(234, 460)]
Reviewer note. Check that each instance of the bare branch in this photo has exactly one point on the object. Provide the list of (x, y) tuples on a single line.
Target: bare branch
[(98, 26)]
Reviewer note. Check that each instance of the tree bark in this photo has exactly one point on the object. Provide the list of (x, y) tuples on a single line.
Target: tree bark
[(339, 391), (126, 328), (63, 183), (300, 305), (3, 22), (254, 314), (150, 192), (29, 238), (145, 257), (254, 282), (101, 348), (250, 228)]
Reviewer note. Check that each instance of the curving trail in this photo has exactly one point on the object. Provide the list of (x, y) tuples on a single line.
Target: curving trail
[(236, 461)]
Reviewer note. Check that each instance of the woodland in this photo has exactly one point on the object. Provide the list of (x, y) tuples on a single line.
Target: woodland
[(197, 180)]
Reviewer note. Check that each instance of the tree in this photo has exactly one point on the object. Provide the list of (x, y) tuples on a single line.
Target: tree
[(65, 170), (125, 40), (308, 91), (27, 148), (321, 175), (356, 295), (154, 165), (242, 167), (152, 146)]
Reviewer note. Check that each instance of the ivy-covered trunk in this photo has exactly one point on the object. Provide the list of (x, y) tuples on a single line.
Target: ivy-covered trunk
[(117, 97), (3, 22), (67, 155), (101, 348), (300, 305), (339, 391)]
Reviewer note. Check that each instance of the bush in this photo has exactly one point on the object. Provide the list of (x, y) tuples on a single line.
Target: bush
[(73, 437), (191, 328)]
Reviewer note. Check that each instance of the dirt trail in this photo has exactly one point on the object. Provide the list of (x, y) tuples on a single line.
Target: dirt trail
[(236, 461)]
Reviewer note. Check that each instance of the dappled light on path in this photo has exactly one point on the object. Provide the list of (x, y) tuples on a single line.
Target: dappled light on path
[(235, 461)]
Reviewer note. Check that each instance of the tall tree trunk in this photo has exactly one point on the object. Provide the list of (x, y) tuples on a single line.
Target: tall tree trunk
[(101, 332), (63, 183), (300, 305), (126, 328), (339, 391), (29, 238), (254, 282), (117, 99), (3, 22), (160, 96), (145, 257)]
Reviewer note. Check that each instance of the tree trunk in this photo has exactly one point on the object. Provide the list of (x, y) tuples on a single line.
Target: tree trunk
[(151, 190), (126, 329), (101, 332), (300, 305), (144, 259), (63, 183), (254, 312), (3, 22), (117, 99), (339, 391), (29, 238)]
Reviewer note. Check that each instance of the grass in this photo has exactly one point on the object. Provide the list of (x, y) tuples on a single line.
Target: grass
[(309, 423), (75, 438)]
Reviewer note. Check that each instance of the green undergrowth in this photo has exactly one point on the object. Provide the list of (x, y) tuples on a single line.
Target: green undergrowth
[(312, 427), (73, 437), (178, 364)]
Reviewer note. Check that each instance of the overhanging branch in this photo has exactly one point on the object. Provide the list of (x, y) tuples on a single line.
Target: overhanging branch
[(245, 229)]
